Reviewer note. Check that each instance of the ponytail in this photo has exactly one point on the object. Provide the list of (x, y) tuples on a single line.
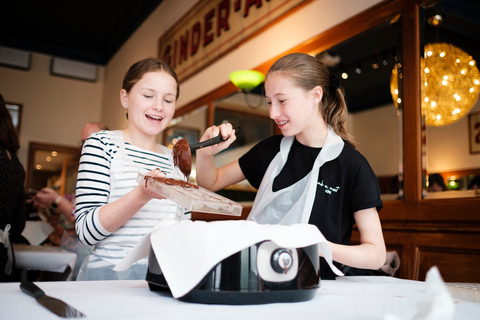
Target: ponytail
[(334, 111)]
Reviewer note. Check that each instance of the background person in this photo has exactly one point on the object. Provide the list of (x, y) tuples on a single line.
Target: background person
[(49, 198), (311, 174), (90, 128), (113, 211), (436, 183), (474, 183), (12, 193)]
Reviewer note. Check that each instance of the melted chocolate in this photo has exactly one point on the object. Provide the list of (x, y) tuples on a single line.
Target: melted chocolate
[(171, 182), (182, 157)]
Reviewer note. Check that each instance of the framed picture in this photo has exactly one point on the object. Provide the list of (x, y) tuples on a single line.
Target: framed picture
[(15, 110), (14, 58), (253, 127), (73, 69), (474, 132), (178, 132)]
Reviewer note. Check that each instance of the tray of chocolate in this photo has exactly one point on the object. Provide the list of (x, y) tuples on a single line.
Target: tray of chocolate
[(191, 196)]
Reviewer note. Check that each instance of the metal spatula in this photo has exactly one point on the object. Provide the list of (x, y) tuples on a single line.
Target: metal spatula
[(56, 306)]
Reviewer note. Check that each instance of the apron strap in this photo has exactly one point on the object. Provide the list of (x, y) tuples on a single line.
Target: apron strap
[(5, 239)]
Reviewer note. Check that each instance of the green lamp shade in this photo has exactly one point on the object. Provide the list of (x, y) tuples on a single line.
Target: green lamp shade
[(246, 79)]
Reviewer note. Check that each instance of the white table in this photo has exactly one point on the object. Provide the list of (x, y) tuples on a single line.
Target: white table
[(344, 298), (43, 258)]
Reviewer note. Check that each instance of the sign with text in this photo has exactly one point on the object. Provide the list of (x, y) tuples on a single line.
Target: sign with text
[(212, 28)]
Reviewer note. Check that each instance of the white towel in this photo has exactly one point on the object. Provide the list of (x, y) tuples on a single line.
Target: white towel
[(187, 250)]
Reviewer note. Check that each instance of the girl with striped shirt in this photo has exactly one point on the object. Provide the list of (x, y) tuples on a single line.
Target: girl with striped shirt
[(113, 212)]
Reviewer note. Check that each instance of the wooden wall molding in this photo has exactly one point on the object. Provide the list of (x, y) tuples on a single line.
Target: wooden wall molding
[(454, 264)]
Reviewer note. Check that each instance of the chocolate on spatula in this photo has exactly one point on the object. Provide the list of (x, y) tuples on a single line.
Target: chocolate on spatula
[(182, 157)]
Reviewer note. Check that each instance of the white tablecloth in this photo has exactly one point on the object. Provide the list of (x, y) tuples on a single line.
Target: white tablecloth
[(44, 258), (344, 298)]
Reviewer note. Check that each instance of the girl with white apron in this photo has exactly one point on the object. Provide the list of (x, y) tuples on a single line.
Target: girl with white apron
[(305, 101), (100, 263)]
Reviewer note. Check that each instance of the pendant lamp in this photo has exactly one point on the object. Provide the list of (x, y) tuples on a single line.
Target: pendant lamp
[(450, 84), (245, 81)]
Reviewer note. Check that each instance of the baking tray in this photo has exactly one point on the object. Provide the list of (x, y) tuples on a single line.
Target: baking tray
[(193, 199)]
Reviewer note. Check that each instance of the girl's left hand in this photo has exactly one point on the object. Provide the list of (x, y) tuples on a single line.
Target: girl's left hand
[(46, 196), (147, 191)]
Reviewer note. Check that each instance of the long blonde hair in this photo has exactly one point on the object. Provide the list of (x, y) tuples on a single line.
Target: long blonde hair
[(307, 72)]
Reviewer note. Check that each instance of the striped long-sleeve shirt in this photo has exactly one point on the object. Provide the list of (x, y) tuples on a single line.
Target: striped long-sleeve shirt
[(108, 169)]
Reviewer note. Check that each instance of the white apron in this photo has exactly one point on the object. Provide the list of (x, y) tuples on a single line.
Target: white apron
[(5, 240), (292, 204), (138, 270)]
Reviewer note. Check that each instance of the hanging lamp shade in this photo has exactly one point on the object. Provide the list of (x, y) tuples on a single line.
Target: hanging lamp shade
[(246, 79), (450, 83)]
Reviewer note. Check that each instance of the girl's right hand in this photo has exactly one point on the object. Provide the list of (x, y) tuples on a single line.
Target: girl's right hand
[(228, 135)]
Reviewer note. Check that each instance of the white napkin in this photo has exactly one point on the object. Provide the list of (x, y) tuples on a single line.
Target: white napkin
[(438, 304), (36, 231), (187, 250)]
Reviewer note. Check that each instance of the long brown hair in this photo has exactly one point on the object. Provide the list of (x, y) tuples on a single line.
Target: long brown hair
[(8, 134), (307, 72), (150, 64)]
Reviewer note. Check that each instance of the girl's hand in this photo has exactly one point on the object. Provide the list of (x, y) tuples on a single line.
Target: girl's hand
[(46, 196), (228, 134), (148, 192)]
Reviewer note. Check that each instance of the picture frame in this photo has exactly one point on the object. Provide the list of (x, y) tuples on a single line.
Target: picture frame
[(176, 132), (474, 132), (254, 128), (73, 69), (15, 110), (14, 58)]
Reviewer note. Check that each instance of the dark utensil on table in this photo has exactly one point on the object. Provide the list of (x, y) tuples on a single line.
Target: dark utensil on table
[(56, 306), (182, 151)]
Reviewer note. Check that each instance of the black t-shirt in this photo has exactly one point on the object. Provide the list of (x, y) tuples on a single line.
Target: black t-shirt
[(345, 185)]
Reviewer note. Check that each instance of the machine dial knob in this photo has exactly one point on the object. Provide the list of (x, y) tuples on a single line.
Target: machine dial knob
[(282, 260)]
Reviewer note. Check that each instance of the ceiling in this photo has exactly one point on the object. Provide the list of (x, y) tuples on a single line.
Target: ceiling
[(90, 31), (94, 30)]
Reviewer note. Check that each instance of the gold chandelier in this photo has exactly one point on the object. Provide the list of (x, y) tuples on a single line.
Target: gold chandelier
[(450, 84)]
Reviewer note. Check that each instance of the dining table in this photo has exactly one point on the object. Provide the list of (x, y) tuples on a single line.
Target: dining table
[(43, 258), (349, 297)]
